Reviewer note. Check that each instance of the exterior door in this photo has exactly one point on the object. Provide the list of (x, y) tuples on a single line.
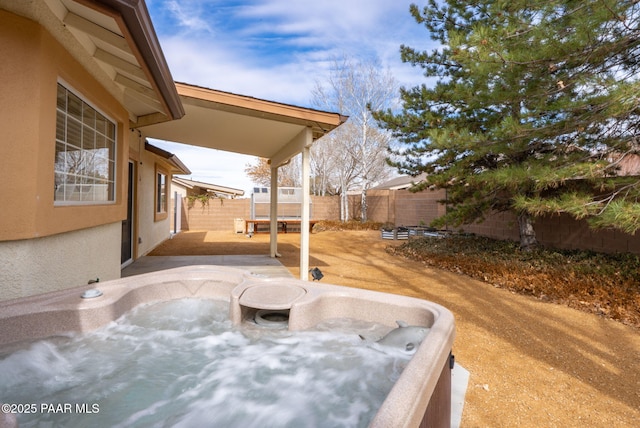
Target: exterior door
[(127, 224)]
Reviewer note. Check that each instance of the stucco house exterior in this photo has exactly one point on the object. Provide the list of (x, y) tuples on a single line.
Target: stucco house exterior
[(83, 86)]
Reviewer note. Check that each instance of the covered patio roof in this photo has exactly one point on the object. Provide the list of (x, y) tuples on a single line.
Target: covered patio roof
[(241, 124), (251, 126)]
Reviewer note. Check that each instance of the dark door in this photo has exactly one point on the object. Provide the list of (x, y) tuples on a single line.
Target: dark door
[(127, 225)]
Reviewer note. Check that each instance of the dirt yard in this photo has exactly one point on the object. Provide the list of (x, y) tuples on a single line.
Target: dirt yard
[(531, 363)]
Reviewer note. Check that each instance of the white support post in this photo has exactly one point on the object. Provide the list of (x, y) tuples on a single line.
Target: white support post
[(273, 213), (306, 199)]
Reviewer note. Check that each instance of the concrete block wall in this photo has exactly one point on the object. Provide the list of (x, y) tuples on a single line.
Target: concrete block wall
[(403, 208), (220, 214), (503, 226), (325, 207), (561, 231), (380, 206), (416, 209), (558, 231)]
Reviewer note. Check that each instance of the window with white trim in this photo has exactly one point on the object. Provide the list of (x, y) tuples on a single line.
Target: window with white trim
[(162, 194), (85, 164)]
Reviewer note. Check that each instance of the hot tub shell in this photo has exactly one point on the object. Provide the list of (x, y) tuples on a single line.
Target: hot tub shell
[(420, 397)]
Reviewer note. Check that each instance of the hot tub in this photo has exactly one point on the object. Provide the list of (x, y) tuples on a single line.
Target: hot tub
[(420, 397)]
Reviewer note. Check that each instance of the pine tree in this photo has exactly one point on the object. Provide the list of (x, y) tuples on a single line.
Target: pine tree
[(534, 109)]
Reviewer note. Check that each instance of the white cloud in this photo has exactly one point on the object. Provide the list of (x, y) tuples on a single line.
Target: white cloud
[(263, 47), (205, 65), (191, 21), (277, 50)]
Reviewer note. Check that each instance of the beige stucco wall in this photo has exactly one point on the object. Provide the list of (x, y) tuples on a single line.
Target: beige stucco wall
[(32, 64), (177, 188), (34, 266), (150, 231), (44, 247)]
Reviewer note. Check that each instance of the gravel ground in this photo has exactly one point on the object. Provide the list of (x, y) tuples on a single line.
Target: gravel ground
[(531, 363)]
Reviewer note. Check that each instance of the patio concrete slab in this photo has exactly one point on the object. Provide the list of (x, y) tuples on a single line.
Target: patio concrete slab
[(256, 264)]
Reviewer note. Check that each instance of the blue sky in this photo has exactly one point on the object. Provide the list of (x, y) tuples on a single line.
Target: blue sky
[(275, 50)]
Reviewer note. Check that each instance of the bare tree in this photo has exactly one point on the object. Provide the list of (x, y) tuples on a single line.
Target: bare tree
[(322, 163), (345, 162), (259, 173), (288, 175), (355, 88)]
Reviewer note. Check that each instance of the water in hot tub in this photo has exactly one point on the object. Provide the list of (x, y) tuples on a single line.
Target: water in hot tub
[(182, 364)]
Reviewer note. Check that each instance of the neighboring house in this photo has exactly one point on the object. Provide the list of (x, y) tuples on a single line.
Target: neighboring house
[(400, 183), (185, 188), (83, 84)]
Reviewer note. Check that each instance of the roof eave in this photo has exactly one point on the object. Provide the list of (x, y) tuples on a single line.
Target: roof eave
[(173, 160), (191, 184), (138, 22), (321, 121)]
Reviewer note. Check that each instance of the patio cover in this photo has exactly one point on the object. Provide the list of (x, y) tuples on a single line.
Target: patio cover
[(116, 42), (241, 124)]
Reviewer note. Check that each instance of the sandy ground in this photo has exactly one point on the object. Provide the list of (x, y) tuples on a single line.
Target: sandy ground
[(531, 364)]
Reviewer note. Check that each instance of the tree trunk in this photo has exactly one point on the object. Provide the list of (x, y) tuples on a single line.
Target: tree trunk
[(363, 204), (528, 239), (344, 206)]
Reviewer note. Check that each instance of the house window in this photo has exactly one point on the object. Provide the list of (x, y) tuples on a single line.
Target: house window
[(162, 192), (85, 153)]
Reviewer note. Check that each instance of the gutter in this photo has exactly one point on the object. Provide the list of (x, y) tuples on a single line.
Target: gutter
[(180, 168), (138, 22)]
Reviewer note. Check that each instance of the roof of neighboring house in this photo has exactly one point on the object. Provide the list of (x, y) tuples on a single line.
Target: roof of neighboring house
[(628, 164), (116, 42), (173, 160), (400, 183), (211, 188)]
